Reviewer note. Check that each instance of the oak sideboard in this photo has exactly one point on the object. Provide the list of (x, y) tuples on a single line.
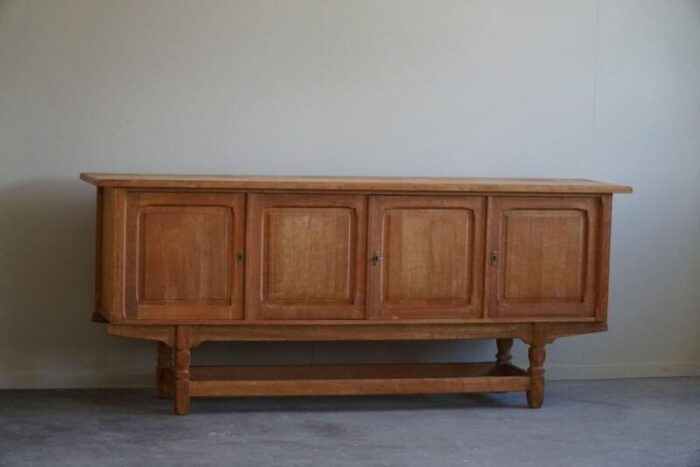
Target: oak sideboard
[(182, 260)]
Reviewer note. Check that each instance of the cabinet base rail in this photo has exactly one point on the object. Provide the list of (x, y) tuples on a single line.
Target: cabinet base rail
[(338, 380), (177, 379), (343, 380)]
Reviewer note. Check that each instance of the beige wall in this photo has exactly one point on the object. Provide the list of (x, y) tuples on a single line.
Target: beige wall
[(581, 88)]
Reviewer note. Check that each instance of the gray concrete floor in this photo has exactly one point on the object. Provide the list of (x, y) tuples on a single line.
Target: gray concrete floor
[(642, 422)]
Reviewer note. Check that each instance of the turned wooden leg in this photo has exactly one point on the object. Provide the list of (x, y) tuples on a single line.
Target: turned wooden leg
[(535, 395), (504, 346), (164, 371), (182, 370)]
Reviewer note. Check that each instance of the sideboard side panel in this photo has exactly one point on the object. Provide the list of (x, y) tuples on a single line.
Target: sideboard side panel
[(601, 310), (110, 255), (98, 315)]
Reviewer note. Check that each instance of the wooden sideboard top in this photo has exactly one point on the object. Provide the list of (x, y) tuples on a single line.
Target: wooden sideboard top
[(417, 184)]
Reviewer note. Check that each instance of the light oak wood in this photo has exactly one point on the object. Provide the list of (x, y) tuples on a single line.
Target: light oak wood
[(97, 313), (306, 257), (181, 372), (357, 371), (543, 256), (356, 332), (428, 256), (186, 260), (603, 265), (338, 332), (536, 355), (180, 252), (357, 379), (164, 334), (371, 184), (109, 261)]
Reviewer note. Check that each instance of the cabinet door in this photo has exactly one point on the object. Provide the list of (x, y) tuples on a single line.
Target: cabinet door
[(181, 255), (426, 256), (543, 255), (306, 256)]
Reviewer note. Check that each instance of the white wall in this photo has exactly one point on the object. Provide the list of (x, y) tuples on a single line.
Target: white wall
[(607, 90)]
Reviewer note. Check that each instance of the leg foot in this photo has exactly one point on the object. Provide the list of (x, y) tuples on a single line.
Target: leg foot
[(504, 346), (164, 372), (182, 370), (535, 395)]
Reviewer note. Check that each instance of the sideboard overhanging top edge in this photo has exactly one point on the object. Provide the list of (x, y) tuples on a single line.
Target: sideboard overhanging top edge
[(377, 184)]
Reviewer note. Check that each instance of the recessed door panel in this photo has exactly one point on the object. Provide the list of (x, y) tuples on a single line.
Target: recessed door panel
[(307, 255), (544, 254), (426, 256), (181, 256), (185, 254)]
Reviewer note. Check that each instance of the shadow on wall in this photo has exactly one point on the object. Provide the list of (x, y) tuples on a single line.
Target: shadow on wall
[(46, 300), (45, 273)]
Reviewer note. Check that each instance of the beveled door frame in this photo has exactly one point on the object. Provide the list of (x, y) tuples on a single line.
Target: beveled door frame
[(495, 245), (377, 207), (134, 202), (255, 308)]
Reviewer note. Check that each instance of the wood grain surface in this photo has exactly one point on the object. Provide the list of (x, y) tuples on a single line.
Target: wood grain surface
[(436, 184)]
